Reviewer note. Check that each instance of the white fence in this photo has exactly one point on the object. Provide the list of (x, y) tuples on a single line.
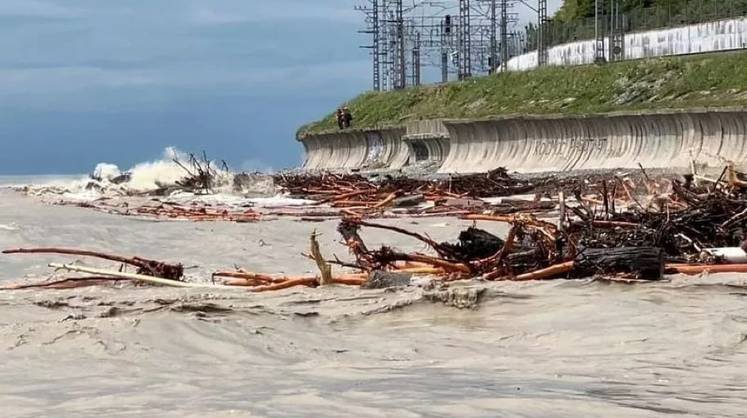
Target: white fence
[(721, 35)]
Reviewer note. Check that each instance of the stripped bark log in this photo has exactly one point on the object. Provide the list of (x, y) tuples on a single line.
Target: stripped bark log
[(325, 270), (695, 269)]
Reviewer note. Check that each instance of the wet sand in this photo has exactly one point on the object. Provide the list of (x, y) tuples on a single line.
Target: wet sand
[(561, 348)]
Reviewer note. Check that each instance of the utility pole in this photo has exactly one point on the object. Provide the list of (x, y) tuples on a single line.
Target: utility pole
[(542, 41), (416, 61), (465, 41), (446, 34)]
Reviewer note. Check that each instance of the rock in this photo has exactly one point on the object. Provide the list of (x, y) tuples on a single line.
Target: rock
[(409, 201), (384, 279), (461, 298)]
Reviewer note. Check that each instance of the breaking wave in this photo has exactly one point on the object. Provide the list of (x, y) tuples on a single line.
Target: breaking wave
[(161, 176)]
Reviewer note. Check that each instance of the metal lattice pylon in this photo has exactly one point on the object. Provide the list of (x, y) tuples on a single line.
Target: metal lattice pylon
[(400, 68), (465, 40), (617, 32), (542, 41), (599, 47)]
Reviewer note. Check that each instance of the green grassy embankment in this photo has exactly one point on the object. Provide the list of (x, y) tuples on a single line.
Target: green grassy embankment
[(714, 80)]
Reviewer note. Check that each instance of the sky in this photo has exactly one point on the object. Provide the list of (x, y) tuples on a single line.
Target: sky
[(86, 81)]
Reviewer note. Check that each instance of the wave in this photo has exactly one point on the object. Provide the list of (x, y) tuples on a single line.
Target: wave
[(160, 176)]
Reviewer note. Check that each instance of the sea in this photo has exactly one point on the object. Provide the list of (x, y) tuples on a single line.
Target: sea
[(578, 348)]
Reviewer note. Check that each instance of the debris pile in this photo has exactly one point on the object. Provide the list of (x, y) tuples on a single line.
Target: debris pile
[(359, 196), (197, 213), (622, 228)]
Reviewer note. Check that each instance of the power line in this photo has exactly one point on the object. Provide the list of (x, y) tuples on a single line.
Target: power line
[(459, 37)]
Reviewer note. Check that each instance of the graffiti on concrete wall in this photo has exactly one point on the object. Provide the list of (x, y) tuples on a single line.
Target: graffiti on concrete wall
[(375, 147), (554, 146)]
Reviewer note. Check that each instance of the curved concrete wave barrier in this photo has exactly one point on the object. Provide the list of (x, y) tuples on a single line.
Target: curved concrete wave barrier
[(428, 140), (720, 35), (354, 149), (427, 148), (620, 140)]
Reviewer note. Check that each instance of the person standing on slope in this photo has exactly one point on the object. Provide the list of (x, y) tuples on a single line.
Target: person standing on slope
[(340, 118), (347, 117)]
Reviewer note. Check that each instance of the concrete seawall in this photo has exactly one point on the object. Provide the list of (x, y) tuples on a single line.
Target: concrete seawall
[(392, 148), (542, 143), (355, 149), (622, 140), (720, 35), (428, 140)]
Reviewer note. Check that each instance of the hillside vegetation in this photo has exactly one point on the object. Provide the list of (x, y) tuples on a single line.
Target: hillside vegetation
[(716, 80)]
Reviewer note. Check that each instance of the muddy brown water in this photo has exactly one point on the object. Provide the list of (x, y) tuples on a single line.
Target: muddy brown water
[(560, 349)]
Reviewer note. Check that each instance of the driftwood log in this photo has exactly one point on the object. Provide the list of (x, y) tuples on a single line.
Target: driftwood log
[(642, 263), (145, 266)]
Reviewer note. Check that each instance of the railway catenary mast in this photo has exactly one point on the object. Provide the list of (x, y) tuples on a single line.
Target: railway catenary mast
[(373, 28), (465, 41), (494, 36), (504, 34), (460, 38), (542, 41), (599, 56), (400, 67)]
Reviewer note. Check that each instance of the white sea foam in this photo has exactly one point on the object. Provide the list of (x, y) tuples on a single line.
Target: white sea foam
[(106, 171), (109, 180), (153, 174), (231, 199), (10, 227)]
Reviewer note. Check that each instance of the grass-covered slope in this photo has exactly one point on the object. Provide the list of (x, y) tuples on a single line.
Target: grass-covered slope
[(716, 80)]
